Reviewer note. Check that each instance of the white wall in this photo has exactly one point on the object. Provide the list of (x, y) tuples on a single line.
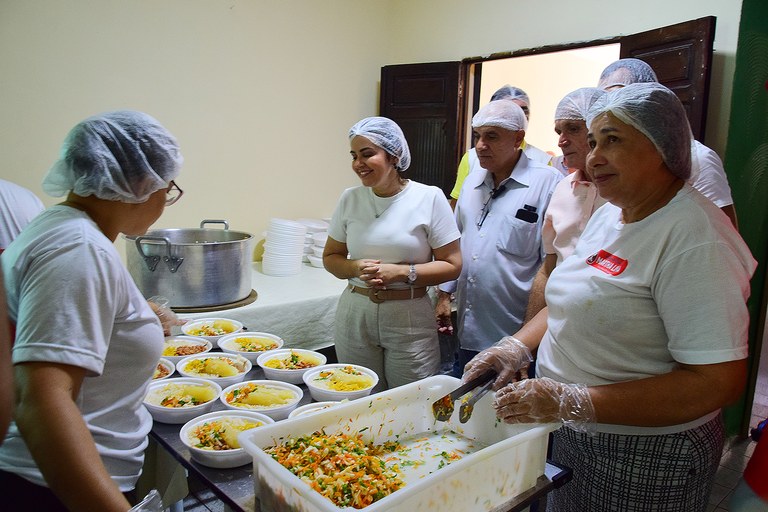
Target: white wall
[(261, 93)]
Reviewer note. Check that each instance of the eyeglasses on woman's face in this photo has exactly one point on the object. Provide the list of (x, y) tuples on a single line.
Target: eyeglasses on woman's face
[(173, 193)]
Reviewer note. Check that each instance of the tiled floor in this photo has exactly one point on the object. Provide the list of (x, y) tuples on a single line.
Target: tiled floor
[(738, 451), (735, 457)]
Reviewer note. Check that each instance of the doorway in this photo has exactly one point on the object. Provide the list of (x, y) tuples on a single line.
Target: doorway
[(546, 78)]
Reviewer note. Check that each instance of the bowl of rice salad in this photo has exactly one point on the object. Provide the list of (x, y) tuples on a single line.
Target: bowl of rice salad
[(211, 329), (164, 369), (212, 438), (223, 369), (289, 365), (334, 382), (250, 344), (274, 398), (176, 348), (178, 400)]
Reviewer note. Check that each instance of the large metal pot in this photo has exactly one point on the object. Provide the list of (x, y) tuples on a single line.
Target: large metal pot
[(192, 267)]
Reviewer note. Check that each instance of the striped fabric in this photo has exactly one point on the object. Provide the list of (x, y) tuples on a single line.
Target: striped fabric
[(633, 473)]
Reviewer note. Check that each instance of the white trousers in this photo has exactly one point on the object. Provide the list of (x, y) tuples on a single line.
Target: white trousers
[(397, 338)]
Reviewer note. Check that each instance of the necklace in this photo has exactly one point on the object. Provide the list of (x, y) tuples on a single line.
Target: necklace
[(388, 199)]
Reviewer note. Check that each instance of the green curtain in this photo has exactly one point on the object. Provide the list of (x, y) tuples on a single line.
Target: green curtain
[(746, 163)]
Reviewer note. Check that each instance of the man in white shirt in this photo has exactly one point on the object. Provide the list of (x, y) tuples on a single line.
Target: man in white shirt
[(500, 213), (575, 198)]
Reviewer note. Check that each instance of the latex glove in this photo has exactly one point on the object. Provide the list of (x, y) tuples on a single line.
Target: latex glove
[(509, 357), (168, 318), (544, 400), (151, 503)]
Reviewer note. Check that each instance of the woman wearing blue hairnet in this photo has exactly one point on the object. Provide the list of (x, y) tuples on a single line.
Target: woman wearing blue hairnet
[(401, 237), (644, 338), (87, 342)]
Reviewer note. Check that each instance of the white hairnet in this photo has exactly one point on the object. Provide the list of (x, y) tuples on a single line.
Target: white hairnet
[(626, 71), (118, 156), (512, 93), (576, 104), (657, 113), (503, 114), (386, 134)]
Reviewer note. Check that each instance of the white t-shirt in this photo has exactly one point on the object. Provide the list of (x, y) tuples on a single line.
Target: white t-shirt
[(634, 300), (18, 206), (708, 175), (74, 303), (409, 225)]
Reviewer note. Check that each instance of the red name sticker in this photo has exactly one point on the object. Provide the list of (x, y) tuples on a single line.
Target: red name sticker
[(607, 262)]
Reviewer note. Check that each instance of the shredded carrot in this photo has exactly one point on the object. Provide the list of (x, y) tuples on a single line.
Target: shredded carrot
[(343, 468)]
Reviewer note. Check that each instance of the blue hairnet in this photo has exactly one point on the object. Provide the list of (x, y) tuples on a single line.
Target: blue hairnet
[(626, 71), (386, 134), (657, 113), (118, 156), (575, 105)]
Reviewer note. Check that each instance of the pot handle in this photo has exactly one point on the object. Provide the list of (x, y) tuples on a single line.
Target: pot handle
[(173, 262), (214, 221)]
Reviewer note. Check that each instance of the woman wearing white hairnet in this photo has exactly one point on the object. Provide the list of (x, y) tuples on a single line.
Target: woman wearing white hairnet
[(645, 336), (87, 342), (401, 237)]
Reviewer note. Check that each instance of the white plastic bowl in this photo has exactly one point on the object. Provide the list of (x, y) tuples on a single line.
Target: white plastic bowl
[(231, 458), (320, 238), (315, 261), (260, 340), (276, 412), (317, 251), (293, 376), (158, 389), (173, 343), (321, 393), (311, 408), (197, 327), (167, 365), (242, 364)]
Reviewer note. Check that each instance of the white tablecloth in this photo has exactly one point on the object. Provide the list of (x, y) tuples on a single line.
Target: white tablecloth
[(299, 308)]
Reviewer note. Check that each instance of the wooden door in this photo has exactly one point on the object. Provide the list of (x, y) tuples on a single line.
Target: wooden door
[(681, 56), (428, 100), (424, 100)]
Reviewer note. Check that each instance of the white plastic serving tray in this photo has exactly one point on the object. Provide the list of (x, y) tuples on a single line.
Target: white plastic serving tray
[(498, 461)]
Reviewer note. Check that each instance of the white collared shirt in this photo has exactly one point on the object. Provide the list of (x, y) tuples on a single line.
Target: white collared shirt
[(500, 258)]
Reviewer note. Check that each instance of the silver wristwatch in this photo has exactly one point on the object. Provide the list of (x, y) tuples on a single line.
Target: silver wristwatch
[(412, 276)]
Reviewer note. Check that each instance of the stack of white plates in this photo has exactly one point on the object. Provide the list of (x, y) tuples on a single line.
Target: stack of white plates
[(284, 247), (311, 251), (314, 225), (318, 245)]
